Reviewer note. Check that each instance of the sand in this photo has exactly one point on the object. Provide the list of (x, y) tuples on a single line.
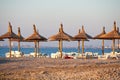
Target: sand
[(58, 69)]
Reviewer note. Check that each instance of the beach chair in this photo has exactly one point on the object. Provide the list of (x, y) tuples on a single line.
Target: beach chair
[(88, 55), (8, 54), (68, 57), (55, 55), (18, 54), (95, 55), (81, 56), (26, 55), (104, 57), (113, 56), (33, 54), (118, 55), (74, 55)]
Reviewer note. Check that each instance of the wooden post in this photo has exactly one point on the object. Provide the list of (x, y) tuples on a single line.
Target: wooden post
[(10, 47), (103, 47), (19, 45), (82, 46), (79, 46), (38, 48), (61, 48), (113, 46), (35, 49), (19, 39), (118, 45)]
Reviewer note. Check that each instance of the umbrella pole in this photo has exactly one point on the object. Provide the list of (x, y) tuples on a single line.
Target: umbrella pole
[(113, 46), (118, 45), (82, 46), (35, 49), (10, 47), (79, 46), (19, 46), (38, 47), (61, 48), (103, 47)]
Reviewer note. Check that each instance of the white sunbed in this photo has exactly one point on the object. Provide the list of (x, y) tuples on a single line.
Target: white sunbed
[(14, 54), (108, 56), (33, 54)]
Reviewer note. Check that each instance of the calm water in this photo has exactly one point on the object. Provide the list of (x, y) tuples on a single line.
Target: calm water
[(49, 50)]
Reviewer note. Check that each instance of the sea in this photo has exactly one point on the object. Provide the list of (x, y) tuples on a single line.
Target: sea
[(49, 50)]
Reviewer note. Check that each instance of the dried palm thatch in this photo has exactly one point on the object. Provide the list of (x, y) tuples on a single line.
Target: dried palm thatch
[(36, 38), (112, 35), (10, 35), (82, 35), (99, 37), (61, 36), (20, 38), (79, 38)]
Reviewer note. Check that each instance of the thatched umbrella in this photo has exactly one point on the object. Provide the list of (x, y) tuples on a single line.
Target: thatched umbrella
[(78, 38), (36, 37), (99, 37), (60, 36), (83, 36), (21, 38), (10, 35), (112, 35)]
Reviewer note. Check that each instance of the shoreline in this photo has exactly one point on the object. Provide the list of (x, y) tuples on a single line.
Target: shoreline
[(30, 68)]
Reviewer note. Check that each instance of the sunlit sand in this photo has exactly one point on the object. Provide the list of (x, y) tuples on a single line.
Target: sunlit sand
[(30, 68)]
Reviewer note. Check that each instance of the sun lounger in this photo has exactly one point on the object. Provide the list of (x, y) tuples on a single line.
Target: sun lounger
[(8, 54), (68, 57), (109, 56), (113, 55), (33, 54), (26, 55), (118, 55), (95, 55), (14, 54), (81, 56), (88, 55), (57, 55), (103, 57), (18, 54)]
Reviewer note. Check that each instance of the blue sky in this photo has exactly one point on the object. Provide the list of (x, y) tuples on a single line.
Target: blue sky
[(48, 14)]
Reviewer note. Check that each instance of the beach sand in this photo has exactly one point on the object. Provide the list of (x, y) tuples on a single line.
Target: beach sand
[(58, 69)]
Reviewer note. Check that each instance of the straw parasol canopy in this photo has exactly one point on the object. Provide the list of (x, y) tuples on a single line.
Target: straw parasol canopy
[(10, 35), (78, 38), (36, 37), (99, 37), (20, 38), (112, 35), (83, 36), (61, 36)]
